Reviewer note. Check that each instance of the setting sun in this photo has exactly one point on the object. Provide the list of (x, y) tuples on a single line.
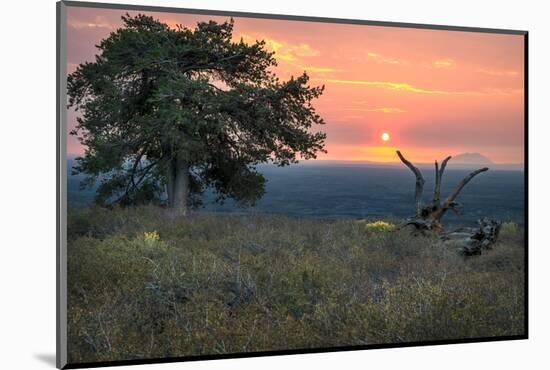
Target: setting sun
[(389, 94)]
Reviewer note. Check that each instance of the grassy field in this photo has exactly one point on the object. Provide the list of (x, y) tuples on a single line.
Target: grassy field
[(144, 285)]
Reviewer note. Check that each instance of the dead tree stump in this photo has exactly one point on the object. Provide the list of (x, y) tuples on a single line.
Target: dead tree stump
[(429, 216)]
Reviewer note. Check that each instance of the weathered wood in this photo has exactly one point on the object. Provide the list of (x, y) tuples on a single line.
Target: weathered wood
[(473, 241), (438, 179), (437, 186), (420, 225), (450, 200), (429, 217), (419, 189)]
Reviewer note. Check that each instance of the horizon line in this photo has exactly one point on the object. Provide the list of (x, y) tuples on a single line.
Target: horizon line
[(367, 161)]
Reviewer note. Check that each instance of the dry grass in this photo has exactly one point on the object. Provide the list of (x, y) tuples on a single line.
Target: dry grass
[(213, 284)]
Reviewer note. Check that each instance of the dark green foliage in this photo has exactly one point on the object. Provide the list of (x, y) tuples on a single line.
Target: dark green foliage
[(224, 284), (158, 100)]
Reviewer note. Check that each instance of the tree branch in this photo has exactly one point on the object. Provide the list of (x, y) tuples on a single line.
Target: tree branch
[(132, 183), (443, 165), (137, 161), (438, 179), (419, 182), (450, 201), (210, 65)]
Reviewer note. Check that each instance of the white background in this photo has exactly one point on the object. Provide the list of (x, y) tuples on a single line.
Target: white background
[(27, 182)]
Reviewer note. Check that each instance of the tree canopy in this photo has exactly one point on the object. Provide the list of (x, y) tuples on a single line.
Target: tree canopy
[(176, 110)]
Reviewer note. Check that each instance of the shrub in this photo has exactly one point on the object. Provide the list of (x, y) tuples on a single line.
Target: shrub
[(380, 226), (151, 237), (143, 284)]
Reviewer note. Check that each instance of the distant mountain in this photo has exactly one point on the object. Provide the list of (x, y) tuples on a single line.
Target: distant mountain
[(471, 158)]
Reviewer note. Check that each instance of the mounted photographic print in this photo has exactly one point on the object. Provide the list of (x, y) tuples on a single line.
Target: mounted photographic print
[(234, 184)]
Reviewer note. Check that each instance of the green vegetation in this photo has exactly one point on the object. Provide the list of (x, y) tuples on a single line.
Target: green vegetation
[(182, 110), (143, 284), (380, 226)]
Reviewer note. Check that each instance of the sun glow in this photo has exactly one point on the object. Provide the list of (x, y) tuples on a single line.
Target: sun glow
[(403, 91)]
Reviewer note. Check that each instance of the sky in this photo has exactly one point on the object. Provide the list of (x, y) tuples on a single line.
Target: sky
[(434, 93)]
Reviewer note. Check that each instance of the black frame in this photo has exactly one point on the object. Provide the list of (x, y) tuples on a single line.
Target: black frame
[(61, 179)]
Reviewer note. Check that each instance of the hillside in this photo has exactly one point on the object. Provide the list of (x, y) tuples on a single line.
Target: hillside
[(144, 285)]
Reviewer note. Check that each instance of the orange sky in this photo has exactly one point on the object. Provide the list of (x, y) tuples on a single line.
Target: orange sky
[(436, 93)]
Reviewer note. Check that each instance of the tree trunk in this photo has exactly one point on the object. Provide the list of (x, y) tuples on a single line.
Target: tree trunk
[(177, 186)]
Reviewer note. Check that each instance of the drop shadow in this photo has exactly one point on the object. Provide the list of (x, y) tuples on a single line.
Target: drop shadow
[(47, 358)]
